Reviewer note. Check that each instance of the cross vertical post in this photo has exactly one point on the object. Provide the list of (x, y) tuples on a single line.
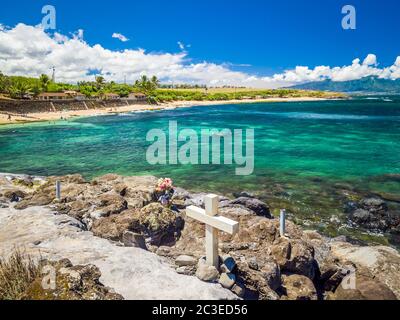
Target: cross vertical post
[(58, 190), (282, 226), (211, 206)]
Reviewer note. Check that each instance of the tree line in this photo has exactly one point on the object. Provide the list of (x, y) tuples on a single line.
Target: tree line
[(23, 87), (18, 87)]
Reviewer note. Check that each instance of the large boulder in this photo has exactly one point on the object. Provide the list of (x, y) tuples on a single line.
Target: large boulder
[(14, 194), (138, 191), (108, 204), (113, 227), (35, 200), (367, 288), (382, 262), (295, 256), (71, 187), (373, 214), (256, 283), (81, 282), (159, 224), (131, 239), (297, 287)]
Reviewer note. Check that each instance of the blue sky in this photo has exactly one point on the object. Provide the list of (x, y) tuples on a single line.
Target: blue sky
[(256, 37)]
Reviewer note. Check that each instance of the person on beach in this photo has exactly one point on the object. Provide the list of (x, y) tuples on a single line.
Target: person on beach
[(9, 117)]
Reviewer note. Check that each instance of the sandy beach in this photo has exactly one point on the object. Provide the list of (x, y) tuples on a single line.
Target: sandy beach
[(55, 116)]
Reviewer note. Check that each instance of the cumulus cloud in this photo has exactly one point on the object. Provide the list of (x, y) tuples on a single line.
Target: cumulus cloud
[(120, 37), (370, 60), (75, 61)]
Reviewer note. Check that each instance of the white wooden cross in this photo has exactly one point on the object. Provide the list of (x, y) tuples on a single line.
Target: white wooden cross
[(213, 222)]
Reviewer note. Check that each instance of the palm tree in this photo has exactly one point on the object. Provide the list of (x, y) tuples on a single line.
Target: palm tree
[(100, 81), (146, 85), (2, 82), (19, 90), (155, 81), (44, 82)]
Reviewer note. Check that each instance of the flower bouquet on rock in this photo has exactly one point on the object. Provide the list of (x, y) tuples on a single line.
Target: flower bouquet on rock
[(165, 191)]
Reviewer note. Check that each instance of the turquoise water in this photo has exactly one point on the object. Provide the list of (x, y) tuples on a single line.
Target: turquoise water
[(310, 157)]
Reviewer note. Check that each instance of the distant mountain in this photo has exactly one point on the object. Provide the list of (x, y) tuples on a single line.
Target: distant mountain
[(367, 84)]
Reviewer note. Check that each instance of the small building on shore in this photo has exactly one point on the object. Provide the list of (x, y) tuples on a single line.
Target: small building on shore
[(111, 96), (66, 95), (75, 95), (53, 96), (137, 96)]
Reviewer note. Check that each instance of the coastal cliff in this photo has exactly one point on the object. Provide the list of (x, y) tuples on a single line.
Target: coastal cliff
[(147, 251)]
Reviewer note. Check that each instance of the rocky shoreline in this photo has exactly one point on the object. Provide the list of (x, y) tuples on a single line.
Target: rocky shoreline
[(256, 263)]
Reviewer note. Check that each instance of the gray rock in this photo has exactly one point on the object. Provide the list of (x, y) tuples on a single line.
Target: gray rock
[(227, 280), (188, 271), (98, 214), (372, 214), (227, 209), (164, 251), (295, 256), (74, 278), (272, 274), (181, 194), (362, 216), (3, 205), (244, 194), (366, 289), (184, 260), (374, 204), (131, 239), (197, 199), (299, 287), (252, 262), (205, 272), (382, 262), (258, 207)]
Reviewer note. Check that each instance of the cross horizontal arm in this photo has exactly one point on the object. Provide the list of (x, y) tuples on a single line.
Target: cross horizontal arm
[(227, 225)]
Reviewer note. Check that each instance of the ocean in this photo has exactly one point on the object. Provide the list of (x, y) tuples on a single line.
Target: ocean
[(311, 158)]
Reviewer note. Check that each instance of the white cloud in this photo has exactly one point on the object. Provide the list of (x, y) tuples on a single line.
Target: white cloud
[(120, 36), (75, 59), (370, 60)]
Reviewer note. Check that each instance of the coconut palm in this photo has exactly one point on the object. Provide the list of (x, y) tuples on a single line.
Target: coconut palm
[(100, 81), (19, 90), (155, 81), (146, 85), (44, 82)]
